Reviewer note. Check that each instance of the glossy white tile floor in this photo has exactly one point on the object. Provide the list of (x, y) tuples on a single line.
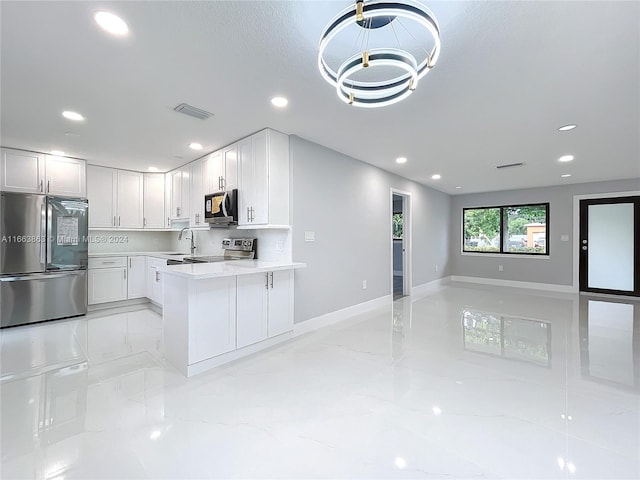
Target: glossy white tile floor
[(466, 382)]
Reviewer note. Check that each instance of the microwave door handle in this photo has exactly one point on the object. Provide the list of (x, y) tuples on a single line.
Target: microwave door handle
[(223, 204)]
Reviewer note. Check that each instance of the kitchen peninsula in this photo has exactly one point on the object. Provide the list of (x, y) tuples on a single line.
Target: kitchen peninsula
[(214, 313)]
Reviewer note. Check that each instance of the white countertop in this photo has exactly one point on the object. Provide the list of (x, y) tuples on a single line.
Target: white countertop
[(200, 271)]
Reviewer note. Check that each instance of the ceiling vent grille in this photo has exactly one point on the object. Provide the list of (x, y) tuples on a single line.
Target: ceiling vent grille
[(510, 165), (193, 111)]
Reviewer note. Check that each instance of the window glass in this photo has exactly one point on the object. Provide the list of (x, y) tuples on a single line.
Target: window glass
[(482, 230), (526, 229)]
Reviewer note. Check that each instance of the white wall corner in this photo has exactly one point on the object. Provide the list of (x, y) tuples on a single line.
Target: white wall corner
[(426, 288)]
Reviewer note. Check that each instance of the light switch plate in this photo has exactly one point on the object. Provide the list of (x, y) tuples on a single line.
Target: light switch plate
[(564, 238), (309, 236)]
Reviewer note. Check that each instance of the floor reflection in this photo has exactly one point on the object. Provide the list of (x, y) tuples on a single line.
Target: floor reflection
[(610, 341)]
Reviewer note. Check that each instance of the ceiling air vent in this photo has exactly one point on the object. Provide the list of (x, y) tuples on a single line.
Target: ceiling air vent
[(509, 165), (193, 111)]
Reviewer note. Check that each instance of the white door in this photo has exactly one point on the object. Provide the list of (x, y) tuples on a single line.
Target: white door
[(230, 173), (280, 313), (66, 176), (21, 171), (196, 218), (137, 277), (260, 173), (107, 285), (246, 183), (153, 200), (101, 192), (213, 329), (251, 309), (130, 198), (154, 279)]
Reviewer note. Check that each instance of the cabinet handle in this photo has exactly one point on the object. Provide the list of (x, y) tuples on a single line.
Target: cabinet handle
[(168, 222), (144, 221), (41, 186), (197, 218), (271, 273), (107, 263), (125, 273), (48, 186), (224, 183), (248, 209), (266, 285), (118, 220), (114, 220), (129, 263), (157, 276), (177, 211)]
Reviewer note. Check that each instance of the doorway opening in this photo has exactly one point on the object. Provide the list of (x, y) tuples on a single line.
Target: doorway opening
[(400, 244), (608, 249)]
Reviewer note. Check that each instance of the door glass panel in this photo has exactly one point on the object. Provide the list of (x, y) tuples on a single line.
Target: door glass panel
[(611, 246)]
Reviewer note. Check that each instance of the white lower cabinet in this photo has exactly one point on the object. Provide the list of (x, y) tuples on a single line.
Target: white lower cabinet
[(251, 309), (137, 277), (264, 306), (154, 279), (107, 284)]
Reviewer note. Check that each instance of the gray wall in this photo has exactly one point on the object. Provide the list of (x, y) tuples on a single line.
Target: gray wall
[(346, 203), (558, 268)]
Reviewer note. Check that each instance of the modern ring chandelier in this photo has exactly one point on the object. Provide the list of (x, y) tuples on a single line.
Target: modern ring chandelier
[(376, 76)]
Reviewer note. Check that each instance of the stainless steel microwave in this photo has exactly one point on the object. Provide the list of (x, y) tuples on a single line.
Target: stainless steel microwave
[(221, 208)]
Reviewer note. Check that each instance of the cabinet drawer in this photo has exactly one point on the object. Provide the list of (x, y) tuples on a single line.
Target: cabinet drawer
[(107, 262)]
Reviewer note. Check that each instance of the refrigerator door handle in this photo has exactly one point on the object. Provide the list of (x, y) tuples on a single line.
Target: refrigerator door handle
[(36, 276), (49, 231), (43, 236)]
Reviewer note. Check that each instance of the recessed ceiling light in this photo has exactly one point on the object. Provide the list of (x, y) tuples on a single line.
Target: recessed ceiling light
[(279, 102), (72, 115), (566, 175), (458, 187), (153, 169), (566, 158), (111, 23), (57, 153), (436, 177), (566, 128), (195, 146), (401, 160)]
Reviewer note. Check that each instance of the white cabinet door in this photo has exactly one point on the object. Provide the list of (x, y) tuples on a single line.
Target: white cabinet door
[(101, 192), (251, 309), (153, 200), (247, 180), (260, 181), (197, 174), (137, 277), (214, 172), (66, 176), (175, 183), (130, 197), (21, 171), (107, 285), (154, 279), (213, 310), (280, 310), (230, 167)]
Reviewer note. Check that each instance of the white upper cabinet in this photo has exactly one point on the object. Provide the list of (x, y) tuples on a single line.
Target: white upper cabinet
[(29, 172), (21, 171), (222, 170), (153, 200), (263, 185), (101, 192), (197, 181), (129, 199), (115, 198), (230, 160), (179, 192), (66, 176), (214, 172)]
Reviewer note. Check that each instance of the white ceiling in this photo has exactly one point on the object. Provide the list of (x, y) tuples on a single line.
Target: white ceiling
[(509, 75)]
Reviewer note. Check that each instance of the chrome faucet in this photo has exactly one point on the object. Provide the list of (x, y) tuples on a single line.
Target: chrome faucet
[(193, 245)]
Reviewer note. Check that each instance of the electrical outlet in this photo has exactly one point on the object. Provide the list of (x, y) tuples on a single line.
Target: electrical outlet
[(500, 268), (309, 236), (279, 246), (364, 284)]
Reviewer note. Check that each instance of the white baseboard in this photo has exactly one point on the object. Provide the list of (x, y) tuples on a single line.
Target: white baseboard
[(516, 284), (121, 303), (340, 315), (429, 286)]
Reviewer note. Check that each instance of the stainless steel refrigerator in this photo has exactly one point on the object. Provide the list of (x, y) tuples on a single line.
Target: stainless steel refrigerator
[(43, 258)]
